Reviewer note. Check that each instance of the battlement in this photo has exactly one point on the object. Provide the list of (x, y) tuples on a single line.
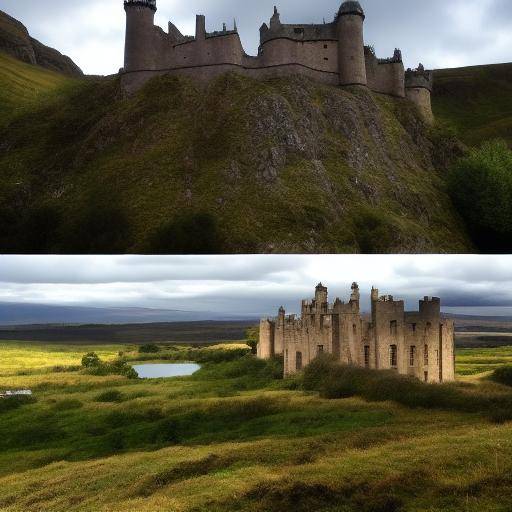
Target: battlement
[(151, 4), (419, 78)]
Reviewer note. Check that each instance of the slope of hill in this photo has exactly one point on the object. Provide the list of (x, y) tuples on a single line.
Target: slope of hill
[(239, 165), (16, 41), (476, 100), (22, 84)]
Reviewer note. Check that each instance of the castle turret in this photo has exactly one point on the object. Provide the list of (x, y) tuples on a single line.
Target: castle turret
[(352, 63), (139, 50), (275, 21), (320, 295), (418, 88), (356, 294)]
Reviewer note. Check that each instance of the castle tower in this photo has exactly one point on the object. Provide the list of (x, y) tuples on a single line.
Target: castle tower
[(320, 296), (418, 89), (352, 62), (139, 44), (356, 294)]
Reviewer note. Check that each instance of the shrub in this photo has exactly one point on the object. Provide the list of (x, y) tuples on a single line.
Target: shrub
[(91, 360), (111, 395), (149, 349), (480, 185), (503, 375)]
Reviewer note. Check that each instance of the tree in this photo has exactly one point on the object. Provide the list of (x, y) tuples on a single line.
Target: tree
[(148, 349), (480, 185), (91, 360), (252, 337)]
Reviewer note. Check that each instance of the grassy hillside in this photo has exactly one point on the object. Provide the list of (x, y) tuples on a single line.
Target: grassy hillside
[(237, 166), (476, 101), (235, 437), (24, 86)]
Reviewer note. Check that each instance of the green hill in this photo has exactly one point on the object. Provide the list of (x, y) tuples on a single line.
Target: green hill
[(239, 165), (22, 84), (477, 101)]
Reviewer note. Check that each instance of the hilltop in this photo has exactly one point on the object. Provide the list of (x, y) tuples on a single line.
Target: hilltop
[(16, 41), (239, 165)]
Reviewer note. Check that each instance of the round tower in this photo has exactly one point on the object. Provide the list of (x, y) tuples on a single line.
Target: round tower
[(139, 43), (352, 62)]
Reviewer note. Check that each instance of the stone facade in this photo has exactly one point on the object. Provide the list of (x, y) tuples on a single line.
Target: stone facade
[(333, 53), (420, 343)]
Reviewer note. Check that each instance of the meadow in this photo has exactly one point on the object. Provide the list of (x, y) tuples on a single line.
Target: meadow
[(236, 436)]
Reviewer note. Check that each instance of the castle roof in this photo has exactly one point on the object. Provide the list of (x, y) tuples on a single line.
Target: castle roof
[(351, 7)]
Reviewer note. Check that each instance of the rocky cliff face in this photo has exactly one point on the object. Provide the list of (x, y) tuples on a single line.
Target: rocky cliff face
[(16, 41)]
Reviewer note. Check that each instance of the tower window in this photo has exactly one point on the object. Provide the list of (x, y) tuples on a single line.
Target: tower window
[(412, 356), (298, 361), (325, 47), (425, 356), (354, 329), (426, 376), (437, 357), (325, 58), (393, 356), (320, 349), (413, 326), (367, 356)]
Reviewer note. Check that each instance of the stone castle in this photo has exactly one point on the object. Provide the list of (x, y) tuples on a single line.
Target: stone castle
[(420, 343), (333, 53)]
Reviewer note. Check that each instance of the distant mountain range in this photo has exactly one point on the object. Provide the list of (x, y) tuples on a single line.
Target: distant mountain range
[(29, 314)]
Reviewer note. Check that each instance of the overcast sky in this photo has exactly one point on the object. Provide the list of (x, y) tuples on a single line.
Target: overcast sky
[(255, 285), (439, 33)]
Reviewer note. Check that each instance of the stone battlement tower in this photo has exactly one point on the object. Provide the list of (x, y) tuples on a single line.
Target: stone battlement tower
[(333, 53), (418, 343)]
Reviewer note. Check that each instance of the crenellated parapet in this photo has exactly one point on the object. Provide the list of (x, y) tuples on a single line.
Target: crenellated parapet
[(419, 78), (150, 4)]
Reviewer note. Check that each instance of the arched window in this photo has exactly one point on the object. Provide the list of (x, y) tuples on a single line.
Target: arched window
[(393, 356)]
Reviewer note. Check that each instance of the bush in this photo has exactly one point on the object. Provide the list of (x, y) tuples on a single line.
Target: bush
[(14, 402), (149, 349), (480, 185), (194, 233), (333, 380), (91, 360), (503, 375), (112, 395)]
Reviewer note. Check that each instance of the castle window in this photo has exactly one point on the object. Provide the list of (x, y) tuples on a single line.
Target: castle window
[(426, 376), (429, 326), (437, 357), (298, 31), (320, 349), (393, 356), (413, 327), (367, 356), (325, 47), (425, 356), (325, 58), (412, 356), (393, 327), (354, 329), (298, 361)]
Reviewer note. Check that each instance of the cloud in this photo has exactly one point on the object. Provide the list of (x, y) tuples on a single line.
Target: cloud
[(437, 33), (252, 284)]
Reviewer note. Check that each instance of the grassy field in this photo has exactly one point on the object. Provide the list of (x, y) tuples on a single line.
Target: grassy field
[(235, 437)]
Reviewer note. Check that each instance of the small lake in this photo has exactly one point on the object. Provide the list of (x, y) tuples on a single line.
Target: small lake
[(159, 371)]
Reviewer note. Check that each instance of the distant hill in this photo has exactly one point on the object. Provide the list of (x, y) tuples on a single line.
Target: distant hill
[(173, 332), (16, 41), (476, 100), (20, 313)]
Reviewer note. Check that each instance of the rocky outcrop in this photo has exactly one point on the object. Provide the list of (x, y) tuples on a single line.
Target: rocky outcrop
[(16, 41)]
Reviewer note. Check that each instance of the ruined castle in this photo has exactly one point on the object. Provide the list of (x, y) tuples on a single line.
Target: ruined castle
[(419, 343), (333, 53)]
